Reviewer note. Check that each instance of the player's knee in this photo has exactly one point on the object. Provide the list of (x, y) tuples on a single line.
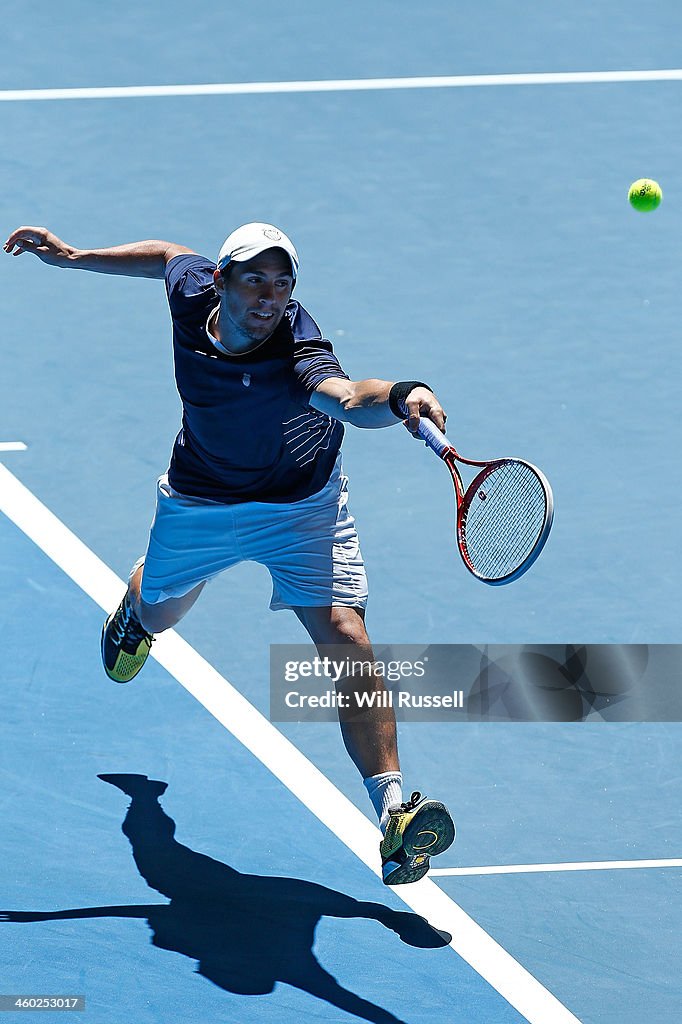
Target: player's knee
[(349, 627)]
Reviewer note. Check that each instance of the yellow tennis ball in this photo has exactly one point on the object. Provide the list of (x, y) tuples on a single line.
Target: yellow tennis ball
[(645, 194)]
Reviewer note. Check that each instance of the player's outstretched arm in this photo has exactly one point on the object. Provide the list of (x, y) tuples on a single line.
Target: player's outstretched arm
[(137, 259), (366, 403)]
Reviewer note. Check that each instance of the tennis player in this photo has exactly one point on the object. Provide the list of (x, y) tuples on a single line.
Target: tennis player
[(256, 474)]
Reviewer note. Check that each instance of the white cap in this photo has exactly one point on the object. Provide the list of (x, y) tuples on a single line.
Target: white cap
[(251, 239)]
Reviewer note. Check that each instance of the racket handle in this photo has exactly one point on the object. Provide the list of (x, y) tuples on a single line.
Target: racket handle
[(433, 437)]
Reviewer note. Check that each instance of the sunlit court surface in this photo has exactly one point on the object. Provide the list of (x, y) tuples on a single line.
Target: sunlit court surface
[(455, 178)]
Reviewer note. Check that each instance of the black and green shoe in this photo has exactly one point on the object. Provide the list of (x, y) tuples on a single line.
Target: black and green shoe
[(416, 831), (125, 644)]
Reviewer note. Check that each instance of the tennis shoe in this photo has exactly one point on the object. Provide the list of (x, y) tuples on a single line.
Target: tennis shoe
[(416, 831), (125, 643)]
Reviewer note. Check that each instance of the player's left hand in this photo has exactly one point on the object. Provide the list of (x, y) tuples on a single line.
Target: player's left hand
[(422, 402), (42, 243)]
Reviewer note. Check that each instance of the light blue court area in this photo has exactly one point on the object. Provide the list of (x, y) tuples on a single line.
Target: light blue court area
[(255, 892), (477, 238), (607, 939), (604, 940), (236, 899)]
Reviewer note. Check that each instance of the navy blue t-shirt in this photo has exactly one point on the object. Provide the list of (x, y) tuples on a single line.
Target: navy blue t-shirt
[(248, 432)]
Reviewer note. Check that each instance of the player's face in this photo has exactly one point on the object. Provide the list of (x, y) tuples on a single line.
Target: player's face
[(253, 298)]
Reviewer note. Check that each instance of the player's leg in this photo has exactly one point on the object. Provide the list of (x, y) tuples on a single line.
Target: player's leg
[(128, 632), (164, 614), (369, 734), (312, 551), (414, 830), (190, 541)]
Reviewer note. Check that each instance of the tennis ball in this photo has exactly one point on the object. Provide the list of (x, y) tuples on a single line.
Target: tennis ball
[(645, 194)]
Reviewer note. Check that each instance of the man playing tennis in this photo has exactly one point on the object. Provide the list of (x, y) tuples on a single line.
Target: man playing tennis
[(256, 474)]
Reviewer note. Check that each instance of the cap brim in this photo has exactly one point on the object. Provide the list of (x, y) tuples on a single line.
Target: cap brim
[(250, 254)]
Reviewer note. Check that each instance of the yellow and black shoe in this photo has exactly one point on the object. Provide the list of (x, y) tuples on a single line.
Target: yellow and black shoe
[(416, 831), (125, 644)]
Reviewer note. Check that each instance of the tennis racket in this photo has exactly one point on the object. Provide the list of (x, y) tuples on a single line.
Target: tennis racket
[(504, 516)]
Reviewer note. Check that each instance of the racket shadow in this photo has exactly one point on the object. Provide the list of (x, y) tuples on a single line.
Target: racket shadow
[(246, 932)]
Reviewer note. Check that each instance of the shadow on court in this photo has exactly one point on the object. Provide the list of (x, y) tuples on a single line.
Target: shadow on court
[(247, 932)]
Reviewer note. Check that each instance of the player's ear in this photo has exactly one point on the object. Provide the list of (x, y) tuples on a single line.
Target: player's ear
[(218, 280)]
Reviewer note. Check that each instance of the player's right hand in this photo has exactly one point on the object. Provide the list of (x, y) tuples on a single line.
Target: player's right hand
[(41, 242)]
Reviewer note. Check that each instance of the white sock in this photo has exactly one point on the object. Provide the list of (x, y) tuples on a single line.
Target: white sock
[(385, 790)]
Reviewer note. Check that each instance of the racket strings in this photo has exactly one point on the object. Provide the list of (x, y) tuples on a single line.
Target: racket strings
[(502, 519)]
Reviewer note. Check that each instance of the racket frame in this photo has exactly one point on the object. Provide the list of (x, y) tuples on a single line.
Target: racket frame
[(440, 445)]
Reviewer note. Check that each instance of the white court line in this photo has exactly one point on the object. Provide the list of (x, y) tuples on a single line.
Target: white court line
[(12, 446), (342, 85), (513, 982), (593, 865)]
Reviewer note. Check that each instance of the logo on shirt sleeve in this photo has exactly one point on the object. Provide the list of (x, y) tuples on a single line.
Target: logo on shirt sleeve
[(246, 380)]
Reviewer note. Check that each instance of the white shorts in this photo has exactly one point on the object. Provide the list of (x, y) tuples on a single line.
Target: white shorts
[(310, 547)]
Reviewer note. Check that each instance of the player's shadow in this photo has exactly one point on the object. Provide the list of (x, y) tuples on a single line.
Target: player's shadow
[(247, 932)]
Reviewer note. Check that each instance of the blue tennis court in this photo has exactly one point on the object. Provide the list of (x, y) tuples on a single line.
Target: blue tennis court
[(473, 235)]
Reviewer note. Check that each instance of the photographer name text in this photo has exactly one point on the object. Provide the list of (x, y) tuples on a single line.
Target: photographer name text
[(375, 699)]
